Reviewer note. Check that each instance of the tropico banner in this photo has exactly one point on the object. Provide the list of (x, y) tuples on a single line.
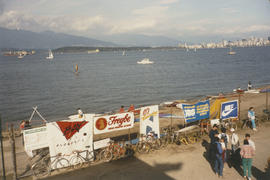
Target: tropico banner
[(149, 120), (196, 111), (105, 124), (35, 138), (229, 109), (68, 136)]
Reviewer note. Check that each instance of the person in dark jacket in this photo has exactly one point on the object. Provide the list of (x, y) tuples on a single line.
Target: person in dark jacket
[(218, 158), (212, 134)]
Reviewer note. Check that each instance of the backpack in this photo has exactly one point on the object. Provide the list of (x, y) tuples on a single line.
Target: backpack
[(216, 148), (223, 135)]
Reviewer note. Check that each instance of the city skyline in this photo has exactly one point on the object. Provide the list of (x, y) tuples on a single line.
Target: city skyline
[(193, 21)]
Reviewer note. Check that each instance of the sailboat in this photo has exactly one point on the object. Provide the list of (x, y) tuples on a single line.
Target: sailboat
[(231, 52), (50, 55), (21, 56), (124, 53)]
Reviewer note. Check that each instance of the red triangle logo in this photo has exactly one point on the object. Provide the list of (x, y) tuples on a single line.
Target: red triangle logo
[(70, 128)]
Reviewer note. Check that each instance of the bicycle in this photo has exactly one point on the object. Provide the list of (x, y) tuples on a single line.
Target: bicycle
[(106, 153), (78, 159), (43, 166), (59, 162), (167, 137), (40, 167)]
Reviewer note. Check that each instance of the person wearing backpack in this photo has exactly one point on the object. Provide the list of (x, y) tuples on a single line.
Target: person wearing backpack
[(212, 135), (225, 138), (218, 158)]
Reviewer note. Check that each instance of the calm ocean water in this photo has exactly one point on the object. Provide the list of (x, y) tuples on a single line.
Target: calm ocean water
[(107, 80)]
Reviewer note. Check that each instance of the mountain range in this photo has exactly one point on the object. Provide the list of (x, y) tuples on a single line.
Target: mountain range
[(22, 39), (31, 40)]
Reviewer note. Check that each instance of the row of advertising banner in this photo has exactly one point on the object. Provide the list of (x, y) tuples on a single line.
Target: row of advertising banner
[(76, 134), (201, 110)]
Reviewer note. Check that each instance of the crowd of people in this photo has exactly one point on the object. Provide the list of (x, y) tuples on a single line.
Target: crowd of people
[(220, 152)]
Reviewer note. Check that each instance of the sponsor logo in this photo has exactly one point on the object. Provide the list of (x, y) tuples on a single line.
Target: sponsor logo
[(114, 120), (70, 128), (228, 110), (101, 123)]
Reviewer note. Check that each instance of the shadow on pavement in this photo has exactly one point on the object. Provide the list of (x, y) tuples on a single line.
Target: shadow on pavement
[(258, 174), (207, 154), (129, 168)]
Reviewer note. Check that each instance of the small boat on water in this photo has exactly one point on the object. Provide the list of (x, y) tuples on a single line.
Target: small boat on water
[(231, 52), (145, 61), (124, 53), (21, 56), (50, 55)]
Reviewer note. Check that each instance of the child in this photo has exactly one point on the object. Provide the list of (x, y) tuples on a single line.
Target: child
[(223, 146)]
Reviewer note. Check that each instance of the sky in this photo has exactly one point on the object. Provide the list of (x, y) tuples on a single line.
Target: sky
[(192, 20)]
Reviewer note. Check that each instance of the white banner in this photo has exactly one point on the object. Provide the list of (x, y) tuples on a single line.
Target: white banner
[(105, 124), (68, 136), (101, 143), (35, 138), (149, 120)]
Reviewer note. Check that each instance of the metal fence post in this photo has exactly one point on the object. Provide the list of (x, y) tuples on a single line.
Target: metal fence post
[(13, 153), (2, 151)]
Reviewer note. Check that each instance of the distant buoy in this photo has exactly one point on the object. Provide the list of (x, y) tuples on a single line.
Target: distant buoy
[(76, 68)]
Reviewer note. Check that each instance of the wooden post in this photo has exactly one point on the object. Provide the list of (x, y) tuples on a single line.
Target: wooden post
[(129, 139), (13, 152), (171, 118), (266, 103), (239, 110), (2, 151)]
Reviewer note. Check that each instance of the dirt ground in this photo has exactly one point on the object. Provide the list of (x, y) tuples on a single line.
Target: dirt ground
[(175, 162)]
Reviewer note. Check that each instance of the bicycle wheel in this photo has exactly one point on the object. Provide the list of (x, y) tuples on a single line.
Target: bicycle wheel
[(143, 147), (157, 144), (164, 142), (61, 163), (106, 155), (76, 162), (40, 169)]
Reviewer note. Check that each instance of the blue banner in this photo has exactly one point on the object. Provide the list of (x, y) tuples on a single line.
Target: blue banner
[(229, 110), (197, 111)]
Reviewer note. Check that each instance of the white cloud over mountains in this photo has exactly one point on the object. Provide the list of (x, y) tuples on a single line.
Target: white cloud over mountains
[(164, 17)]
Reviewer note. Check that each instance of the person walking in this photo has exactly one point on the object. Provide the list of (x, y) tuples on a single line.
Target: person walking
[(225, 140), (235, 157), (218, 158), (251, 117), (212, 134), (234, 141), (247, 137), (247, 152)]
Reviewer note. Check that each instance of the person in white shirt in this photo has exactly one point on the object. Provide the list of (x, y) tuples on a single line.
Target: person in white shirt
[(250, 142), (234, 141), (80, 113), (226, 140), (225, 136)]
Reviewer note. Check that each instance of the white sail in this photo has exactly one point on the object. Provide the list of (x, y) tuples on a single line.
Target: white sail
[(50, 55)]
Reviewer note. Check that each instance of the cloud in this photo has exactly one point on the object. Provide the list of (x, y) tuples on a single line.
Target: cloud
[(2, 6), (168, 1), (229, 10), (17, 20), (243, 30)]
